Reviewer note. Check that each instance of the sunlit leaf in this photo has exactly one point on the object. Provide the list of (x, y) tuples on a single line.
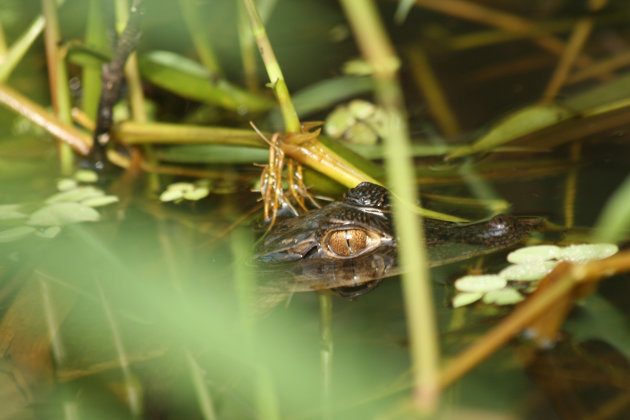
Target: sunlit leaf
[(63, 213), (11, 211), (66, 184), (171, 195), (191, 80), (530, 254), (100, 201), (75, 195), (614, 221), (528, 271), (604, 93), (588, 252), (506, 296), (480, 283), (197, 193), (521, 122), (466, 298), (338, 121), (404, 6), (86, 175), (15, 233), (324, 94), (49, 232)]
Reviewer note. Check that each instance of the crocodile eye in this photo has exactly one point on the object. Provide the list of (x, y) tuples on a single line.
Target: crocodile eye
[(350, 242)]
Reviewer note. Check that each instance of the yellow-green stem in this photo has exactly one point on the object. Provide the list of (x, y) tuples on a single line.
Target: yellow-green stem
[(198, 32), (3, 44), (58, 77), (95, 36), (246, 44), (291, 120), (136, 95), (35, 113), (19, 48), (377, 50)]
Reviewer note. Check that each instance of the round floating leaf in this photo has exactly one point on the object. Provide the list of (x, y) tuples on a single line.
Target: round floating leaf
[(65, 184), (361, 133), (506, 296), (57, 214), (338, 121), (75, 195), (361, 109), (171, 195), (100, 201), (466, 298), (530, 254), (11, 212), (181, 186), (197, 193), (49, 232), (86, 175), (15, 233), (588, 252), (480, 283), (528, 271)]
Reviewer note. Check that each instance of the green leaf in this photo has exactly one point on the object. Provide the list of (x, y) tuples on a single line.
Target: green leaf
[(506, 296), (588, 252), (536, 253), (63, 213), (213, 153), (190, 79), (86, 175), (100, 201), (66, 184), (601, 95), (49, 232), (11, 212), (614, 221), (599, 319), (75, 195), (466, 298), (521, 122), (480, 283), (15, 233), (197, 193), (528, 271), (322, 95)]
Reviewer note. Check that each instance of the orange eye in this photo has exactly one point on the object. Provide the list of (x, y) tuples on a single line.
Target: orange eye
[(350, 242)]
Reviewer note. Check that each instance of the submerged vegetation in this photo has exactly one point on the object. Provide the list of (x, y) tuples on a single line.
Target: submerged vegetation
[(139, 137)]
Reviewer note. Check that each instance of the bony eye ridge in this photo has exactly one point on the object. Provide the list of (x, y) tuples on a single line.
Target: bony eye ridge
[(349, 243)]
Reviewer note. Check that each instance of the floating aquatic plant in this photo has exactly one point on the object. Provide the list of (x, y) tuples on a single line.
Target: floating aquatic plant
[(529, 264)]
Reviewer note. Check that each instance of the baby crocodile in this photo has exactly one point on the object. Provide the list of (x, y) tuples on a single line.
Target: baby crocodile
[(350, 246)]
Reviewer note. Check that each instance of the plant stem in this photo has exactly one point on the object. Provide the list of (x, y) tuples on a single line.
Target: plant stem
[(326, 352), (131, 132), (3, 44), (198, 33), (19, 47), (58, 77), (291, 120), (377, 50), (246, 44), (15, 101), (95, 36)]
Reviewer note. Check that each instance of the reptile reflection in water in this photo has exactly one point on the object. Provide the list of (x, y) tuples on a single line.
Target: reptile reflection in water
[(349, 246)]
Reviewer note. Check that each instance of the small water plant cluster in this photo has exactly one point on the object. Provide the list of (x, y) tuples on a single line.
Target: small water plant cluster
[(528, 266), (75, 202), (179, 191), (358, 121)]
